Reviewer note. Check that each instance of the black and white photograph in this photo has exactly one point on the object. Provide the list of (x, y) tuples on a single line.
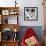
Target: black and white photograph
[(30, 13)]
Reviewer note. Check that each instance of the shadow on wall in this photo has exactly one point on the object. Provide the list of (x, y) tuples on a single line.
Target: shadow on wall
[(37, 29)]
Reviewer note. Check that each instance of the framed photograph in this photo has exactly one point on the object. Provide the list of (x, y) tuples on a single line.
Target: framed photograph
[(10, 19), (5, 12), (13, 12), (13, 20), (31, 13)]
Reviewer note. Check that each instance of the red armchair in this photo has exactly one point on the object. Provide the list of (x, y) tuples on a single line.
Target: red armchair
[(29, 34)]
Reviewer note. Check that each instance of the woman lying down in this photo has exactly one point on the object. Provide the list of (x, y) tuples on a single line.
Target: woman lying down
[(30, 38)]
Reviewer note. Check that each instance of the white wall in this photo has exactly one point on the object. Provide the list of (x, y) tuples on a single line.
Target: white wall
[(31, 3), (26, 3)]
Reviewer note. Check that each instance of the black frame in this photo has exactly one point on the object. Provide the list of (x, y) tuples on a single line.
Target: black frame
[(36, 14)]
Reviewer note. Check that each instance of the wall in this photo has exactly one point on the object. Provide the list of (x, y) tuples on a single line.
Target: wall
[(44, 12), (26, 3), (44, 21), (31, 3)]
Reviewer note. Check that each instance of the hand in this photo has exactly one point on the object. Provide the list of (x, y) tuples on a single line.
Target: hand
[(32, 41)]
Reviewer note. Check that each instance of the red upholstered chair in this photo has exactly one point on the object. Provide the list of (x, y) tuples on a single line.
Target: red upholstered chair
[(29, 33)]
